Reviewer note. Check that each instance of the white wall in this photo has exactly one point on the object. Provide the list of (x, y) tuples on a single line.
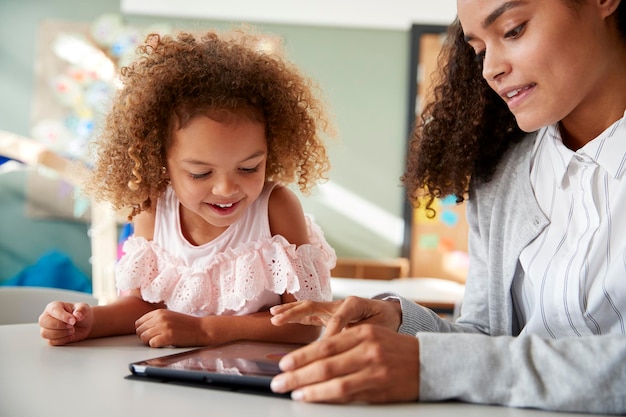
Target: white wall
[(358, 51), (380, 14)]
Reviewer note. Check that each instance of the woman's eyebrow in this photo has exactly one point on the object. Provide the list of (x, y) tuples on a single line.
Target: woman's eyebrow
[(493, 16)]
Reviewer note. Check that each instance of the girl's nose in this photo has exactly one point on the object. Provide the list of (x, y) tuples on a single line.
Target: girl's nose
[(225, 186)]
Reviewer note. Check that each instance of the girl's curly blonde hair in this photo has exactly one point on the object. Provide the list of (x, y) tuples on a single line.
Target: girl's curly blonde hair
[(177, 78)]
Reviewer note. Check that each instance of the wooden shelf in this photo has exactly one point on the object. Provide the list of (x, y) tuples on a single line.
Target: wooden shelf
[(384, 269)]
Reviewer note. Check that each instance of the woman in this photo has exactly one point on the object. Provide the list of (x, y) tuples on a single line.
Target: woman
[(527, 124)]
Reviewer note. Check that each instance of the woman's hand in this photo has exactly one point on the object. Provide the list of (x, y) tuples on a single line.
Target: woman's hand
[(365, 363), (62, 323), (337, 315)]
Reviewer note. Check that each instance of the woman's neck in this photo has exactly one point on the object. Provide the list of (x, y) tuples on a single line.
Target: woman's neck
[(587, 123), (603, 106), (576, 137)]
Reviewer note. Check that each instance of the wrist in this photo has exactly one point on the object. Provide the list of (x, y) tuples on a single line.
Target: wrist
[(218, 329), (397, 313), (206, 333), (393, 306)]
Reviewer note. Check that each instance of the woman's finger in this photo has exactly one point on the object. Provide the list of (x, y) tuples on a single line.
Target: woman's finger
[(313, 364), (303, 312), (345, 367)]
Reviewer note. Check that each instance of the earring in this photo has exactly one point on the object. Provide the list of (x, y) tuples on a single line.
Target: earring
[(164, 175)]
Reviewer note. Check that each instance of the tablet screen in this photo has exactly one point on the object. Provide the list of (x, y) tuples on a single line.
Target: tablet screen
[(241, 363)]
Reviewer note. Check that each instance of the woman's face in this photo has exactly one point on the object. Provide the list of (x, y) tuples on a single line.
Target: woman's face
[(547, 60)]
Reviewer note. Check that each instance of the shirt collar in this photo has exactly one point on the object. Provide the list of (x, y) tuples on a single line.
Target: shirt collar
[(607, 150)]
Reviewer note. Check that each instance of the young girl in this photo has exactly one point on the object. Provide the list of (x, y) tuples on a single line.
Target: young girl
[(200, 143), (529, 122)]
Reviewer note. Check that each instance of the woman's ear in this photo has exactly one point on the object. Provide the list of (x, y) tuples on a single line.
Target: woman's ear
[(607, 7)]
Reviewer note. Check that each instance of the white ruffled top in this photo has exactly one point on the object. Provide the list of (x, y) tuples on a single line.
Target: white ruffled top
[(242, 271)]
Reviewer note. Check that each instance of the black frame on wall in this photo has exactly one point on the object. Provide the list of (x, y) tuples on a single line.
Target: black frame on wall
[(415, 76)]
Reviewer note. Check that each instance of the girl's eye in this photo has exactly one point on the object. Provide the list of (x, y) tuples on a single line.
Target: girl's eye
[(515, 32), (250, 170), (199, 176)]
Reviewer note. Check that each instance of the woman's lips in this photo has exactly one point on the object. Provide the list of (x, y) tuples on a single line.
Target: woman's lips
[(515, 96)]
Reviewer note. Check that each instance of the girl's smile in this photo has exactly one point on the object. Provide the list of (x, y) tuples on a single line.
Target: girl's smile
[(224, 209)]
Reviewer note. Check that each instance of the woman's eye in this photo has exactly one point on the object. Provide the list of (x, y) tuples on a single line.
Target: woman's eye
[(480, 56), (515, 32)]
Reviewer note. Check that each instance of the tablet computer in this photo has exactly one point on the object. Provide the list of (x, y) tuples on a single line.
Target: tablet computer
[(238, 366)]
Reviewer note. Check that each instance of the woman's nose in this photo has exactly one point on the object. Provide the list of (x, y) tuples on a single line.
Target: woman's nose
[(494, 66)]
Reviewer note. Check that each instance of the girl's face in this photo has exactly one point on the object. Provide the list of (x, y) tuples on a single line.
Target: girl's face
[(548, 61), (217, 170)]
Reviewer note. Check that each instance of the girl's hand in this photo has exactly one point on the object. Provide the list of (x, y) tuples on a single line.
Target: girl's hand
[(337, 315), (163, 327), (365, 363), (63, 323)]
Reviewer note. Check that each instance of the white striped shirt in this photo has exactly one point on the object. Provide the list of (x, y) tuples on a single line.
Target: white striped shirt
[(574, 281)]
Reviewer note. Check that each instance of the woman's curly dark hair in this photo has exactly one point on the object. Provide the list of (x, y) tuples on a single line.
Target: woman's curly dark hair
[(177, 78), (461, 133), (465, 129)]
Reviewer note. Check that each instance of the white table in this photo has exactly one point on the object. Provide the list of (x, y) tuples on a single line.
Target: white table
[(441, 295), (87, 379)]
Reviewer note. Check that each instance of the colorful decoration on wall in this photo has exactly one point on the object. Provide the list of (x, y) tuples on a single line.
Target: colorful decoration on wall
[(441, 241), (87, 81), (77, 76), (446, 217)]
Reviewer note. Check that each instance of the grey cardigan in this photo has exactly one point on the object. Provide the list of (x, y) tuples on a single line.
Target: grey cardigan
[(479, 358)]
